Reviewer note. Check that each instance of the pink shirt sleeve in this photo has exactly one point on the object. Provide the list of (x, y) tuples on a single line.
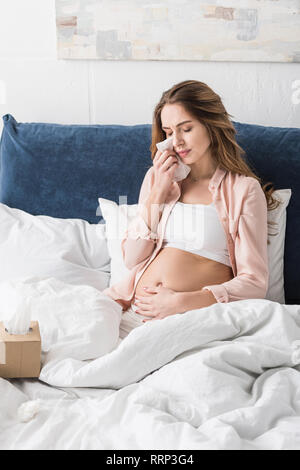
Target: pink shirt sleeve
[(139, 241), (251, 253)]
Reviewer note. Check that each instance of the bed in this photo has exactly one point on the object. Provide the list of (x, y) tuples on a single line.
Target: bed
[(223, 377)]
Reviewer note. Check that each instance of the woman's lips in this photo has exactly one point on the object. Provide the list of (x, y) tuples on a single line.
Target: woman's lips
[(183, 154)]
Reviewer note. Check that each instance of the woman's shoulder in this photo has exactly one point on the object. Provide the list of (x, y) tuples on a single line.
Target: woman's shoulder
[(244, 191), (242, 183)]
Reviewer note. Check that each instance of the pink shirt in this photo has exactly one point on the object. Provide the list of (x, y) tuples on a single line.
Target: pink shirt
[(242, 209)]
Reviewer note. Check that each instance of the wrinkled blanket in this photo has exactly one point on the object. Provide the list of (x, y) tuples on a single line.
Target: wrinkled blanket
[(222, 377)]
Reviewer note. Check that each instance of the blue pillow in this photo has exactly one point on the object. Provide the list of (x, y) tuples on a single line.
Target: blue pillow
[(61, 170)]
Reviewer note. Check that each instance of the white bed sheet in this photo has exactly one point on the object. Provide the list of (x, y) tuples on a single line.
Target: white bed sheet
[(222, 377)]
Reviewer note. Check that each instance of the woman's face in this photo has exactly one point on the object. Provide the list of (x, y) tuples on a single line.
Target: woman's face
[(188, 133)]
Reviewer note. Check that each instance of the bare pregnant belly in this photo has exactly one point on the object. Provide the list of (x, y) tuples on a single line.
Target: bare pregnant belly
[(182, 271)]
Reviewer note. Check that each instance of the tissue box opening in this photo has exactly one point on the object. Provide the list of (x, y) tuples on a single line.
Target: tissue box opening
[(20, 355)]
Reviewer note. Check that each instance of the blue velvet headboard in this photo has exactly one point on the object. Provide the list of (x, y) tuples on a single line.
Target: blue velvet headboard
[(61, 170)]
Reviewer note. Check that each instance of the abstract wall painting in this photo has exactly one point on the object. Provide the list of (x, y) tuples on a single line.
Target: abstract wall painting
[(182, 30)]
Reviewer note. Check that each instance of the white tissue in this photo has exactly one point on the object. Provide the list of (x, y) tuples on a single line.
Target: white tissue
[(28, 410), (182, 170), (165, 144), (15, 312)]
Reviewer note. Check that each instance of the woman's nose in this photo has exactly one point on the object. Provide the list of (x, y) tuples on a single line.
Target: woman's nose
[(177, 140)]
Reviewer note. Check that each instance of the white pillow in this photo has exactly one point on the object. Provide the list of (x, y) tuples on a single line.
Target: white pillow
[(276, 248), (118, 218), (71, 250)]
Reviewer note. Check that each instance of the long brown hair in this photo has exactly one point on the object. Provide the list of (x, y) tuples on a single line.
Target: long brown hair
[(206, 106)]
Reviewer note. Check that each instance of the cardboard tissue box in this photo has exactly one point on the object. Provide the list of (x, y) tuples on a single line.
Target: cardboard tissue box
[(20, 355), (20, 340)]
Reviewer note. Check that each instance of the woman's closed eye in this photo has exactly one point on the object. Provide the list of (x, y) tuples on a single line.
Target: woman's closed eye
[(184, 130)]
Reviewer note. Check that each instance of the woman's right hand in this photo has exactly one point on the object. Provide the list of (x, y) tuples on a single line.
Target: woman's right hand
[(164, 164)]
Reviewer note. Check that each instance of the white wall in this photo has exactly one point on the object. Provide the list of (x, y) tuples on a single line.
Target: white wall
[(35, 86)]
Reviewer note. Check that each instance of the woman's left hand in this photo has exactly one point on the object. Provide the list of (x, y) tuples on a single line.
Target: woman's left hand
[(160, 304)]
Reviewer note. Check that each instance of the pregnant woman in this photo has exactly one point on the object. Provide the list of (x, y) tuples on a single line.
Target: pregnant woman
[(203, 239)]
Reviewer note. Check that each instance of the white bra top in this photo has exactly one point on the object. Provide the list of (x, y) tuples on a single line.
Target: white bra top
[(196, 228)]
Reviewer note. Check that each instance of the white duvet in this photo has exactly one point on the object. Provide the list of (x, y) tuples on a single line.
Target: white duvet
[(222, 377)]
